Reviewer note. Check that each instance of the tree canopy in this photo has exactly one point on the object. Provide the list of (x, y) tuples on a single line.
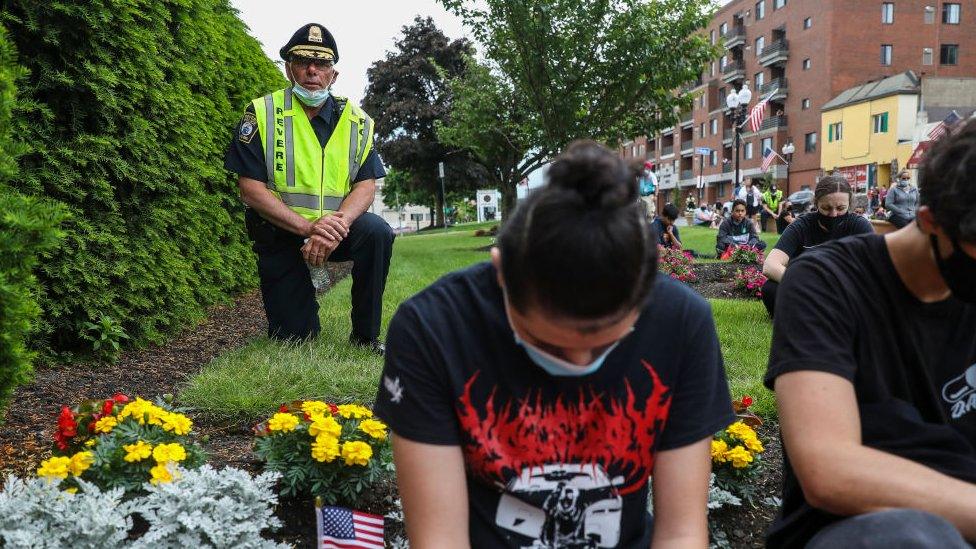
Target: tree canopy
[(597, 69), (407, 93)]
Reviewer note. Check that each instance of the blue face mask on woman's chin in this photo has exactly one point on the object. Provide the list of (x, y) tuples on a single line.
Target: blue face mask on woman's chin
[(556, 366)]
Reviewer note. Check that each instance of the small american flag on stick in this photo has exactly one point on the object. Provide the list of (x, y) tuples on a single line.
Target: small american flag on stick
[(943, 127), (768, 156), (341, 528), (758, 113)]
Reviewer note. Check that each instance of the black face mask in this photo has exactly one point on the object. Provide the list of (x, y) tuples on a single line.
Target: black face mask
[(828, 222), (958, 270)]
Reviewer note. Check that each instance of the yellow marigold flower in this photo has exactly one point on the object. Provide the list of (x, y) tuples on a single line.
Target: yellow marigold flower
[(325, 448), (169, 452), (754, 445), (315, 408), (106, 424), (177, 424), (282, 422), (137, 410), (162, 474), (739, 456), (324, 425), (373, 428), (155, 415), (80, 463), (356, 453), (355, 411), (71, 490), (91, 442), (55, 467), (740, 430), (719, 447), (138, 451)]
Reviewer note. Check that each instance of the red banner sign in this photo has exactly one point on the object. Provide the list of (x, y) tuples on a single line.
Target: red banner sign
[(918, 154), (857, 176)]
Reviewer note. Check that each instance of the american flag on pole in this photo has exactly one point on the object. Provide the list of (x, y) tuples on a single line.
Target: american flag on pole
[(944, 126), (758, 113), (341, 528), (768, 156)]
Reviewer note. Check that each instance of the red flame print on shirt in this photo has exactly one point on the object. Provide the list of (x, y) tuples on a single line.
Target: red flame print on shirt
[(511, 436)]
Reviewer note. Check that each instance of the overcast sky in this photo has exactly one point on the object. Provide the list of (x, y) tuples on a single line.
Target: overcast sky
[(273, 23)]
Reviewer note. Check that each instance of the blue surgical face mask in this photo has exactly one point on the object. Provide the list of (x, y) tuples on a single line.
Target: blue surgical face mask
[(309, 97), (556, 366)]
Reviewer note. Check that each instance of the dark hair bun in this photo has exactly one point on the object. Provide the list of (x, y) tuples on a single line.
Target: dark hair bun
[(599, 177)]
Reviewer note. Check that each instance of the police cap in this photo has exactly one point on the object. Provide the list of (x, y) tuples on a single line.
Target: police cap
[(312, 41)]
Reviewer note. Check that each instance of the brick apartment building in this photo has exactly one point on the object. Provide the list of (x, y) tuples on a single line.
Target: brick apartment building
[(810, 50)]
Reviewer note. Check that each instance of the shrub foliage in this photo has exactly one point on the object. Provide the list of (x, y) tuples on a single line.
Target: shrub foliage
[(126, 113)]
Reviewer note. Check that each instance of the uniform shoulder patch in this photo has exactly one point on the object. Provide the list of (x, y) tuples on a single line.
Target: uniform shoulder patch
[(248, 127)]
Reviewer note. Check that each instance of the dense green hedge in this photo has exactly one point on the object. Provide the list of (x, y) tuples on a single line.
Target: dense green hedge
[(28, 228), (127, 111)]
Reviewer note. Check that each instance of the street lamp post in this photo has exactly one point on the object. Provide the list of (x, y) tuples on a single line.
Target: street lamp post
[(788, 150), (738, 104)]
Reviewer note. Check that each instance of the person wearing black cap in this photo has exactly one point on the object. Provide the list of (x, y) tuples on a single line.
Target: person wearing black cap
[(307, 173)]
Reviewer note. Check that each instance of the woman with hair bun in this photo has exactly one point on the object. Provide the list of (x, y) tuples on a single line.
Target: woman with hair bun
[(830, 220), (531, 397)]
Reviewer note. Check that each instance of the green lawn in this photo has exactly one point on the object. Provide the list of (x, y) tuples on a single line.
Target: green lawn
[(254, 380), (702, 239)]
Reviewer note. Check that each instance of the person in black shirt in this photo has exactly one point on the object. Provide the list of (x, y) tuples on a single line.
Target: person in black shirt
[(831, 220), (873, 361), (665, 229), (287, 237), (737, 231), (532, 397)]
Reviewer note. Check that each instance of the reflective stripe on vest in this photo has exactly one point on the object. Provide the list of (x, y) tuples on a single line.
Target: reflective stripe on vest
[(314, 179)]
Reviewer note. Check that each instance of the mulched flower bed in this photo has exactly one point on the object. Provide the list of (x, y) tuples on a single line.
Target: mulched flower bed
[(715, 281), (26, 436)]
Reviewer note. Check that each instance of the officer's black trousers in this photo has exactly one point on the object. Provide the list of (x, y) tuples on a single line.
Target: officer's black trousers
[(289, 298)]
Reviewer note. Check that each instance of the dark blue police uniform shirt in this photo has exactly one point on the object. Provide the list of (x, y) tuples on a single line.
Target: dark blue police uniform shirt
[(245, 155)]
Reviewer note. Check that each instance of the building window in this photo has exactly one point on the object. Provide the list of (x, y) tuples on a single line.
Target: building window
[(835, 132), (805, 104), (810, 142), (723, 29), (713, 157), (950, 14), (949, 54), (887, 13), (760, 9), (926, 56), (711, 69), (929, 15), (760, 80), (777, 4), (714, 124), (701, 130), (721, 97), (880, 122), (711, 35), (748, 151), (760, 44), (807, 23), (806, 64), (723, 62), (766, 143), (886, 54)]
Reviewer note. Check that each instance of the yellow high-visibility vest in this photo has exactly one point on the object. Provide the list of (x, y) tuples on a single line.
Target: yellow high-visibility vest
[(312, 180)]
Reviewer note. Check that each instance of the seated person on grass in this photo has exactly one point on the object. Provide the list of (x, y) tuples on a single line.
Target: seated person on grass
[(737, 230), (531, 397), (703, 216), (831, 220), (873, 362), (665, 229)]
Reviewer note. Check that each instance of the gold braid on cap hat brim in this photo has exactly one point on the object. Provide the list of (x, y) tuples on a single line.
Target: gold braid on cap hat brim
[(312, 52)]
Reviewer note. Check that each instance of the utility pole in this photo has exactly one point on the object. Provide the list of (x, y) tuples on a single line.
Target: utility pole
[(440, 169)]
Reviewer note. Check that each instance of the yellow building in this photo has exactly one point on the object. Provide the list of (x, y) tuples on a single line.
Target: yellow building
[(867, 130)]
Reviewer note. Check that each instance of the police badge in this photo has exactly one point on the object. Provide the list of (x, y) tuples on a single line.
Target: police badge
[(315, 34), (249, 127)]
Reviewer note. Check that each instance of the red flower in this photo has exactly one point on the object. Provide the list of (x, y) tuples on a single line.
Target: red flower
[(747, 401), (119, 398), (67, 425), (107, 407), (333, 409), (283, 408)]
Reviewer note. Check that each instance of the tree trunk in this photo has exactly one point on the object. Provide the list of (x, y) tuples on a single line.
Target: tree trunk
[(439, 202), (509, 197)]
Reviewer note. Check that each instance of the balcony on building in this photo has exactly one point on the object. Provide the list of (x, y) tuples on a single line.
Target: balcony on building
[(774, 122), (667, 150), (779, 85), (733, 71), (735, 37), (775, 53), (686, 119), (727, 135), (687, 175)]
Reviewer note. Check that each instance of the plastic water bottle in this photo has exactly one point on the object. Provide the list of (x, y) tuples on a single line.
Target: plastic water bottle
[(320, 276)]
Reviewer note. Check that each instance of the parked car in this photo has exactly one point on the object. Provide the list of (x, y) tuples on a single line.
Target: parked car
[(802, 201)]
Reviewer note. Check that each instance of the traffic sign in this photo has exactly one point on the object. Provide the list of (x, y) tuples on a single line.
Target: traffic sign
[(704, 151)]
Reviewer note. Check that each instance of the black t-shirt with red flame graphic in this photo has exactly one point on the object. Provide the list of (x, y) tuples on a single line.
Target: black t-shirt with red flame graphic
[(552, 461)]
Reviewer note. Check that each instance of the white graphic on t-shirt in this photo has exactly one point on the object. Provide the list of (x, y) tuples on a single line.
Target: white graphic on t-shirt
[(395, 389), (960, 393), (569, 505)]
